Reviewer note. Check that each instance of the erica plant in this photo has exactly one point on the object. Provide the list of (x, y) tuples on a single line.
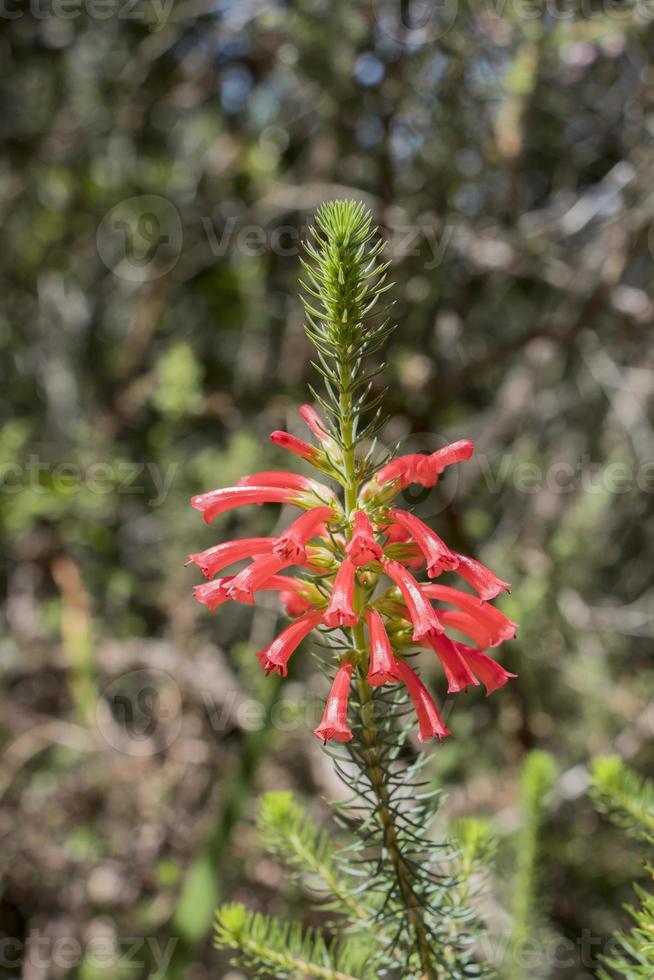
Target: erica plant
[(363, 578)]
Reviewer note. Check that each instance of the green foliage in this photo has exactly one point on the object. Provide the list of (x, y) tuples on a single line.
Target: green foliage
[(628, 800), (358, 888), (345, 281), (421, 887), (283, 949), (537, 779), (624, 796), (288, 833)]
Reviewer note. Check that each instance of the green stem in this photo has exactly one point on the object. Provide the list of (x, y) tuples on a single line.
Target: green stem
[(376, 772)]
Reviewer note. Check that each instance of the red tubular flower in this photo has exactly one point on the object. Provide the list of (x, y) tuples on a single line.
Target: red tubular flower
[(246, 583), (498, 625), (425, 621), (294, 445), (218, 501), (334, 720), (485, 583), (340, 611), (362, 547), (459, 676), (213, 594), (402, 470), (318, 426), (429, 720), (429, 468), (290, 545), (382, 667), (490, 673), (275, 657), (437, 555), (214, 559), (310, 490), (423, 469), (465, 623)]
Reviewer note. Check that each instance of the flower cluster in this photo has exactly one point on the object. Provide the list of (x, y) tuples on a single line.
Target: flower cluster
[(354, 567)]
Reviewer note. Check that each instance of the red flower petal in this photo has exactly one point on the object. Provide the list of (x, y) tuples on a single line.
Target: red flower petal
[(423, 616), (334, 720), (485, 582), (214, 559), (290, 545), (363, 548), (382, 668), (459, 676), (226, 498), (490, 673), (340, 611), (275, 657), (437, 555), (294, 445), (429, 720)]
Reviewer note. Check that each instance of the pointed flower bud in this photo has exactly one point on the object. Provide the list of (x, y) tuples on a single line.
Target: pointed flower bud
[(334, 720), (340, 611), (318, 426), (423, 616), (290, 545), (362, 547), (382, 667), (490, 673), (437, 555), (429, 720), (214, 559), (295, 445), (275, 657)]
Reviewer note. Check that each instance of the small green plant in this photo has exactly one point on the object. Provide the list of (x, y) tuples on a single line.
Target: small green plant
[(340, 888), (537, 778), (628, 800)]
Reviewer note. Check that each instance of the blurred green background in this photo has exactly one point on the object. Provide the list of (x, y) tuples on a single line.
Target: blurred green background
[(160, 164)]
